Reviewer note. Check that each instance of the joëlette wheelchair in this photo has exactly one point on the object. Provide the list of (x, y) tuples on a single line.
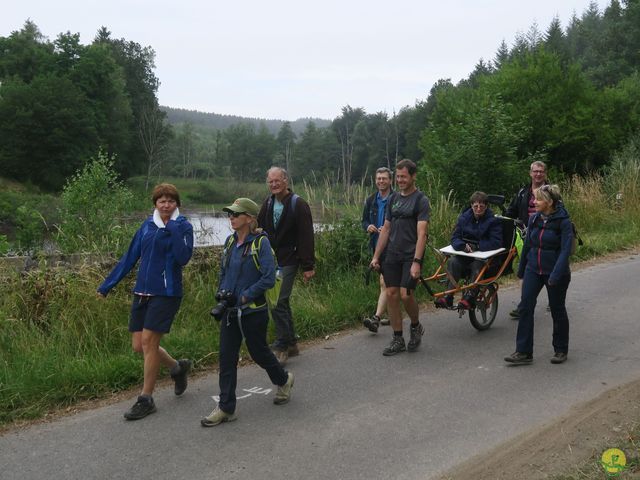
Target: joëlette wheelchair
[(496, 263)]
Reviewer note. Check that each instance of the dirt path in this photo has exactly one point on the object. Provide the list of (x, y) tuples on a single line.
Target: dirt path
[(562, 446)]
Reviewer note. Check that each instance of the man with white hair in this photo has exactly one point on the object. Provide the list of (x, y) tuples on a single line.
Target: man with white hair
[(286, 218)]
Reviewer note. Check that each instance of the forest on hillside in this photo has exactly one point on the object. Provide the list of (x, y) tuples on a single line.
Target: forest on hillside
[(569, 95), (217, 121)]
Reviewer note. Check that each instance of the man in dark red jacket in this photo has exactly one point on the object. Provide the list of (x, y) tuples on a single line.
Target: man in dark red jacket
[(286, 218)]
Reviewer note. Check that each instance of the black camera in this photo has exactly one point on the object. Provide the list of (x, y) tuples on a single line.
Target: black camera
[(225, 300)]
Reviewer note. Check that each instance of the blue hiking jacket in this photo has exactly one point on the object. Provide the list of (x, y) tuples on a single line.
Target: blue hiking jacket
[(239, 274), (486, 231), (547, 246), (162, 253)]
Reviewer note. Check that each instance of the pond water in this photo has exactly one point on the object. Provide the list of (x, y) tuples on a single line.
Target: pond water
[(208, 229), (211, 230)]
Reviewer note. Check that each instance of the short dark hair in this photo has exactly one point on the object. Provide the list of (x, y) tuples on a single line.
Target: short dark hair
[(480, 197), (408, 164), (165, 189)]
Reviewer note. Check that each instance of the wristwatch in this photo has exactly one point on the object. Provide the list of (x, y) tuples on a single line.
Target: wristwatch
[(418, 261)]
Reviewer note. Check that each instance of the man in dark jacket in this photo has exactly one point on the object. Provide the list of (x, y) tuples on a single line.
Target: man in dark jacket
[(372, 221), (477, 229), (523, 204), (286, 218)]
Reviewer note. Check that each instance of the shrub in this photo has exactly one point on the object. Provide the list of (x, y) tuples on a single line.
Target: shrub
[(94, 204)]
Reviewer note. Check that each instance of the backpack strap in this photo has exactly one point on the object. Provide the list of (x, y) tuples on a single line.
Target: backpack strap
[(256, 244), (294, 200), (225, 251), (416, 206)]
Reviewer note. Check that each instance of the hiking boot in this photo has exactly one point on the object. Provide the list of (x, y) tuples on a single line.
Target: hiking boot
[(514, 314), (283, 395), (293, 350), (180, 378), (519, 358), (396, 346), (372, 323), (278, 345), (144, 406), (217, 417), (416, 337), (444, 302), (384, 321), (282, 356), (559, 357)]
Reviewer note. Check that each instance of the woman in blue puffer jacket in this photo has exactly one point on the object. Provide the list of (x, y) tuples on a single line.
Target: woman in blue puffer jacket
[(545, 262), (163, 244)]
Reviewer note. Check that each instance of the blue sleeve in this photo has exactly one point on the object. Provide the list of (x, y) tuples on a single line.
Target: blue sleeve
[(456, 237), (181, 241), (494, 233), (562, 262), (223, 261), (267, 272), (124, 266), (387, 209), (366, 213)]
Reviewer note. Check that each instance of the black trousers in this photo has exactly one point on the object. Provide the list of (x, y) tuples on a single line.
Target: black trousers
[(532, 284), (461, 267), (253, 327)]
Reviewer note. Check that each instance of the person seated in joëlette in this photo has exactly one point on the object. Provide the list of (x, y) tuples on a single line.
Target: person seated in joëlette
[(477, 229)]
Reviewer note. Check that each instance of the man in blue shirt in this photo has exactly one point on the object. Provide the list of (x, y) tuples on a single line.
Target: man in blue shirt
[(372, 221)]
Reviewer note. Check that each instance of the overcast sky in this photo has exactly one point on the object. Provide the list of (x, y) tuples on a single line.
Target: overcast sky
[(288, 59)]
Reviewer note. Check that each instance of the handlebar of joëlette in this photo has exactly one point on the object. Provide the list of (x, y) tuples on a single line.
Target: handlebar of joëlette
[(517, 221)]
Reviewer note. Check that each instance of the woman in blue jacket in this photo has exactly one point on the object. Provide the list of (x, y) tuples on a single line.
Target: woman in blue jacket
[(247, 271), (545, 262), (163, 244), (477, 229)]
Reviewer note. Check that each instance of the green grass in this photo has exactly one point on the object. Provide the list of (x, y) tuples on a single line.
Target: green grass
[(60, 343), (628, 441), (204, 193)]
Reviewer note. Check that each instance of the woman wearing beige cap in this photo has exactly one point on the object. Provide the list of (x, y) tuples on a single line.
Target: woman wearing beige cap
[(247, 271)]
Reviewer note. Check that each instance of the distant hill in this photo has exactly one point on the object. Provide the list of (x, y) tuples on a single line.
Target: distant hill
[(220, 122)]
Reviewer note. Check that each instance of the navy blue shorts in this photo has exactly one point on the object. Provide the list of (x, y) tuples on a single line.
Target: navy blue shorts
[(396, 271), (154, 313)]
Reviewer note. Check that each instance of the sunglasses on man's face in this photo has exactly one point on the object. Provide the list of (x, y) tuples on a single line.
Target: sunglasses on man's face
[(235, 214)]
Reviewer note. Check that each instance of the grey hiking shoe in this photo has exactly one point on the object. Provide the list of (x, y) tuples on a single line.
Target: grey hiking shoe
[(559, 357), (514, 314), (396, 346), (372, 323), (293, 350), (416, 337), (384, 321), (180, 377), (519, 358), (283, 395), (217, 417), (144, 406)]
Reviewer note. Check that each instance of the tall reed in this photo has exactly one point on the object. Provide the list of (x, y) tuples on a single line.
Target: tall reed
[(59, 343)]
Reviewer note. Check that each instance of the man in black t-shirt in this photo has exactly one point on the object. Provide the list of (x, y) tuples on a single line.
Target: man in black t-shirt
[(404, 234)]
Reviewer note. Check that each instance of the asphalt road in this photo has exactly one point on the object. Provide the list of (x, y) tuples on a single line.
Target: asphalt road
[(354, 413)]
